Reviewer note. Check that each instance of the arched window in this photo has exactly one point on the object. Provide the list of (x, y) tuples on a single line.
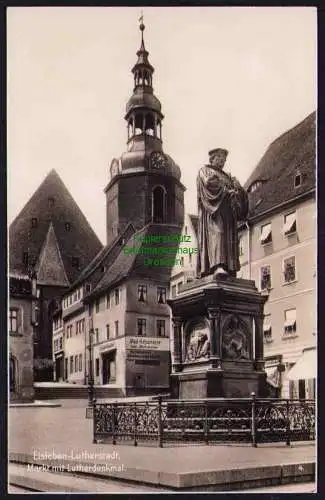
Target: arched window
[(130, 128), (159, 204), (138, 125), (159, 129), (149, 125)]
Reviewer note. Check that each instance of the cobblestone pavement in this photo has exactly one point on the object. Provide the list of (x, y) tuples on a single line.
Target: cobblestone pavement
[(66, 428)]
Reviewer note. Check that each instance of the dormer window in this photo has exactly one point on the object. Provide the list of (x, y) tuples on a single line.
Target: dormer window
[(67, 226), (51, 202), (34, 222), (298, 180)]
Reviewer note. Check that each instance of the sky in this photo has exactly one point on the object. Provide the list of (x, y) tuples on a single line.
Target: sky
[(231, 77)]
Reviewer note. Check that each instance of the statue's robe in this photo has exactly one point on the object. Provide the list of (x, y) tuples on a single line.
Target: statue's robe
[(219, 213)]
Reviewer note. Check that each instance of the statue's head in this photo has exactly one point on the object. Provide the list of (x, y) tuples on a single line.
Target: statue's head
[(218, 157)]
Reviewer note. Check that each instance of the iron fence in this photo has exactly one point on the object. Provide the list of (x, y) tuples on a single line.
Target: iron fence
[(208, 421)]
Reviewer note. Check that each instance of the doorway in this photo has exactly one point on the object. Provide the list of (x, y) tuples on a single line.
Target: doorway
[(12, 374), (109, 367)]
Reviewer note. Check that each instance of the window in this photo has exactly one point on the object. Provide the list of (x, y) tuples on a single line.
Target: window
[(142, 323), (173, 291), (71, 364), (117, 296), (60, 343), (97, 305), (75, 263), (142, 293), (108, 300), (161, 330), (80, 362), (70, 300), (107, 332), (289, 269), (65, 368), (67, 226), (13, 320), (182, 261), (76, 359), (161, 295), (51, 202), (96, 335), (290, 225), (266, 234), (116, 328), (179, 286), (290, 323), (34, 222), (298, 180), (265, 277), (267, 328), (25, 258), (97, 367), (185, 229), (82, 325), (190, 258)]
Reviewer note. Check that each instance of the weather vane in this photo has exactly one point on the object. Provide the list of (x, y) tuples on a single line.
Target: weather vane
[(141, 22)]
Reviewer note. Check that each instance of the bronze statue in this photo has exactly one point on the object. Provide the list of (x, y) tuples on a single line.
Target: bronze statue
[(222, 202)]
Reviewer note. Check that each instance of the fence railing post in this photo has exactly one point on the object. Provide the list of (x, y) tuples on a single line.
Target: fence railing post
[(135, 424), (94, 423), (114, 421), (206, 425), (253, 419), (160, 424), (288, 429)]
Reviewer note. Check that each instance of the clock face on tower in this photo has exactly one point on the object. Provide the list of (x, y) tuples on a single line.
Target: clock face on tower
[(158, 160)]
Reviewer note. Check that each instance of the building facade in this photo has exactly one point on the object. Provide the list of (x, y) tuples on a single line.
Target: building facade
[(21, 325), (278, 251)]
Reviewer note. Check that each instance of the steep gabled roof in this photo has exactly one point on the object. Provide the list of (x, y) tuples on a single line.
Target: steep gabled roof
[(105, 254), (132, 264), (292, 153), (52, 204)]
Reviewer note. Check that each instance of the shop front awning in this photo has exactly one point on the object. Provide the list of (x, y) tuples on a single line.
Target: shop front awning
[(273, 376), (306, 366)]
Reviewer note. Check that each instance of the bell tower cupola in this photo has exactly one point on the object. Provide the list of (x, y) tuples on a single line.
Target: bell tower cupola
[(143, 109)]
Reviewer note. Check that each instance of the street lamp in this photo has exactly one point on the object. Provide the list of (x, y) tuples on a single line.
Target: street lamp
[(91, 400)]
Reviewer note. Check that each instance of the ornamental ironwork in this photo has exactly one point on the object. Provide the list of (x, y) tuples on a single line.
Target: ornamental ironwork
[(176, 422)]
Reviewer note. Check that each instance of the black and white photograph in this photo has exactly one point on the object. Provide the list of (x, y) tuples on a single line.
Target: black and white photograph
[(162, 249)]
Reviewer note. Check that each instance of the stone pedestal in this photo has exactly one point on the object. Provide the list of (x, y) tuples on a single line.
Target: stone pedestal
[(218, 339)]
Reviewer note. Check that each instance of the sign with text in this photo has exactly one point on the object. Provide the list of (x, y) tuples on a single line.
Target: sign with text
[(107, 346), (147, 343)]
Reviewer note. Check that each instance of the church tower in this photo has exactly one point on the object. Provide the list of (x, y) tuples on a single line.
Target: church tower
[(144, 185)]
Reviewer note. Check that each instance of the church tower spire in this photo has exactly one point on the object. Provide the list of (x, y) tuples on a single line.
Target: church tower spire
[(143, 110), (145, 183)]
